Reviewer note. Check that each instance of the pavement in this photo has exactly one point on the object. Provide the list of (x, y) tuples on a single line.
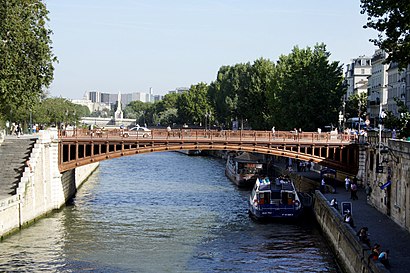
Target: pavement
[(382, 229)]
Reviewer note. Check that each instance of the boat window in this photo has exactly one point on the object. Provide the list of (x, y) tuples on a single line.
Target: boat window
[(284, 197), (267, 198), (261, 199), (275, 195)]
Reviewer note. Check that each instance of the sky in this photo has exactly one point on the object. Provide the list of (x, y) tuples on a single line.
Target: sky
[(133, 45)]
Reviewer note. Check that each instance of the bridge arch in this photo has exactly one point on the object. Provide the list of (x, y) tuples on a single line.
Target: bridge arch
[(82, 148)]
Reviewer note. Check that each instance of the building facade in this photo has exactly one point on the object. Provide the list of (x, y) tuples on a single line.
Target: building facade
[(356, 76), (377, 87), (396, 87)]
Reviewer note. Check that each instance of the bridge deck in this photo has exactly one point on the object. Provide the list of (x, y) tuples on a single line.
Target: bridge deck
[(80, 147)]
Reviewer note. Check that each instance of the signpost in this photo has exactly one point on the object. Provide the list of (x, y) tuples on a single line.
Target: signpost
[(346, 207)]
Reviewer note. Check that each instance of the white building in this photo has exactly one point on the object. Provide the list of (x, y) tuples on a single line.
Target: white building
[(396, 87), (377, 86), (357, 73)]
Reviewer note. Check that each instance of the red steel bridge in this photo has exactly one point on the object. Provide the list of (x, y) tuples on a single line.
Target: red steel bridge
[(81, 147)]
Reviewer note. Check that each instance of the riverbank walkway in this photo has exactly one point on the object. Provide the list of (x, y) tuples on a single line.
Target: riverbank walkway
[(382, 229)]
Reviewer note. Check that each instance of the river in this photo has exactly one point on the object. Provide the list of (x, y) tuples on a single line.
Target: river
[(163, 212)]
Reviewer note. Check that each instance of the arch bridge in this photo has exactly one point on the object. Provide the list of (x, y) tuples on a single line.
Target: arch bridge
[(82, 147)]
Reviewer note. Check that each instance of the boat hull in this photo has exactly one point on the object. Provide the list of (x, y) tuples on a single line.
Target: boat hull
[(274, 213), (241, 181)]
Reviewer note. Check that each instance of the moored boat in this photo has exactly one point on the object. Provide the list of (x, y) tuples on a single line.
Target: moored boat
[(274, 199), (191, 152), (245, 168)]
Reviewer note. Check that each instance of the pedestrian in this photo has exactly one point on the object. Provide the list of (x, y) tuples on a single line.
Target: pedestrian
[(364, 236), (368, 191), (273, 132), (28, 165), (333, 203), (353, 191), (169, 130), (18, 130), (348, 219), (375, 252), (384, 258), (323, 185), (347, 183), (295, 131)]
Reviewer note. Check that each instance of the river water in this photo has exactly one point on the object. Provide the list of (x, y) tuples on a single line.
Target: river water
[(163, 212)]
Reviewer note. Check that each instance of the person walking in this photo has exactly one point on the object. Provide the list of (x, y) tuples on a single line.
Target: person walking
[(348, 219), (322, 185), (353, 191), (347, 183), (333, 203), (273, 132)]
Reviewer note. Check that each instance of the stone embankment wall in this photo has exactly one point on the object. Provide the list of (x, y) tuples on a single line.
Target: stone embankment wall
[(390, 163), (42, 188), (351, 254)]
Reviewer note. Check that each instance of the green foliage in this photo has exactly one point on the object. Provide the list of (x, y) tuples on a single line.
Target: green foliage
[(308, 89), (240, 92), (26, 59), (193, 106), (352, 106), (165, 111), (391, 18), (402, 122), (57, 111)]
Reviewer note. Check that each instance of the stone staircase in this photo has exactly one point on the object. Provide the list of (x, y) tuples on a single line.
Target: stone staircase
[(13, 155)]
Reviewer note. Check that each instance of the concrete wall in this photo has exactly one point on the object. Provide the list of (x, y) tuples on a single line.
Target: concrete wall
[(394, 200), (351, 254), (42, 188)]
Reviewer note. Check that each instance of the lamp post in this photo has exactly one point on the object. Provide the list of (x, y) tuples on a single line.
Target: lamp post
[(360, 106), (207, 119)]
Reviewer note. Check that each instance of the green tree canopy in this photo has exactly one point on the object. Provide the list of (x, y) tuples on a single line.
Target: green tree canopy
[(391, 18), (193, 106), (56, 111), (26, 58), (352, 106), (308, 89)]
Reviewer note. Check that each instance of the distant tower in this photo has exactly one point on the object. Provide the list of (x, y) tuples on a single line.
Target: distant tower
[(118, 113), (151, 95)]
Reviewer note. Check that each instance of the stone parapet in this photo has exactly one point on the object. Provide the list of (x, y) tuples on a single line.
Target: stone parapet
[(351, 254), (42, 188)]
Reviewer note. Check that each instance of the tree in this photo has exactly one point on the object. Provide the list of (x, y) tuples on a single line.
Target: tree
[(401, 122), (57, 111), (26, 58), (193, 106), (253, 96), (165, 111), (307, 89), (352, 106), (391, 19)]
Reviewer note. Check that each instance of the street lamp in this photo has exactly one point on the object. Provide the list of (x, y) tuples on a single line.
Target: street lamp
[(208, 119), (360, 106)]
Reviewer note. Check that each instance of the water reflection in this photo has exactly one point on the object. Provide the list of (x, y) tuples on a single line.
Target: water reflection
[(162, 212)]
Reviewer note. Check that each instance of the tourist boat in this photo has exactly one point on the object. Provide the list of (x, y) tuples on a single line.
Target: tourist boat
[(245, 168), (274, 199)]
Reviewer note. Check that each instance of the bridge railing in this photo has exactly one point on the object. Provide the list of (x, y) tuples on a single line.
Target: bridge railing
[(197, 134)]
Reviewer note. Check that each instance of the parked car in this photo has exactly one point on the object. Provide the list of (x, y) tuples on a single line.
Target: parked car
[(137, 131)]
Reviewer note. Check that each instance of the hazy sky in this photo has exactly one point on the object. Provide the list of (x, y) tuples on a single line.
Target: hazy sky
[(132, 45)]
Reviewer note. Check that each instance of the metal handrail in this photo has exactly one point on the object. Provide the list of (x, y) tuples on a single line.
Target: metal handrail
[(198, 134)]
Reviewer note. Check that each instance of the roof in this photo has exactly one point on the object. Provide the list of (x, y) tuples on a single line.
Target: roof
[(248, 158)]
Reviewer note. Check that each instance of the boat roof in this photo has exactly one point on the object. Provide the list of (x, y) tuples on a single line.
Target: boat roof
[(278, 185), (248, 157)]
